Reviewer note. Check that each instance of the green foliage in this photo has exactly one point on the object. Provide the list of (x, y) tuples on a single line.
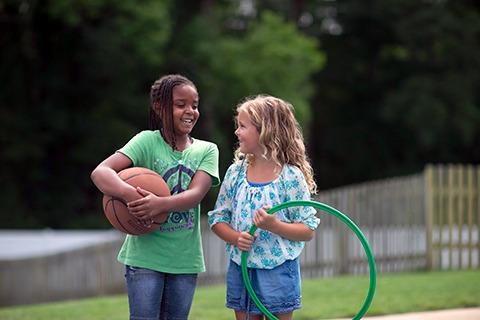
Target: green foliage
[(269, 56), (74, 90), (400, 87), (273, 58), (437, 102)]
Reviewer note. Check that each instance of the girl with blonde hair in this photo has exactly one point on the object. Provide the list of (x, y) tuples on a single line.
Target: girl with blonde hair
[(270, 167)]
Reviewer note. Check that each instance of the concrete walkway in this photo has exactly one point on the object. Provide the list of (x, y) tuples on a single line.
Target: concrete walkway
[(452, 314), (23, 244)]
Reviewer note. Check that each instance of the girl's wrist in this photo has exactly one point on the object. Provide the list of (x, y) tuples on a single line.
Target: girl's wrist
[(129, 193), (275, 226), (164, 204)]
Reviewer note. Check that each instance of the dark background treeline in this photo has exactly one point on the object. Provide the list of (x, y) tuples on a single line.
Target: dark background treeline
[(381, 87)]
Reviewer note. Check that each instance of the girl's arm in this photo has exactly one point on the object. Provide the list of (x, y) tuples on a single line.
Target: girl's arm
[(151, 205), (220, 217), (295, 231), (243, 240), (302, 220), (105, 177)]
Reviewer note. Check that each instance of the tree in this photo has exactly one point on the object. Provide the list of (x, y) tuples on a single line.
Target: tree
[(235, 59), (400, 88), (74, 76)]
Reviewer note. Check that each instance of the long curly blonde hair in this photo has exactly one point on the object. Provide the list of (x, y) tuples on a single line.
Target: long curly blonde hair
[(280, 134)]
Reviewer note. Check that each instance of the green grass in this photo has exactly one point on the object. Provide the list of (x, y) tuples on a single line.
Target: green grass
[(322, 298)]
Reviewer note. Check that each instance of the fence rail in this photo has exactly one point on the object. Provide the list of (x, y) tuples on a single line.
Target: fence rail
[(424, 221), (82, 272), (453, 215)]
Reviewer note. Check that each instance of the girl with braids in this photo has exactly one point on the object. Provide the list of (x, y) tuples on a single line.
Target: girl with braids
[(270, 167), (162, 266)]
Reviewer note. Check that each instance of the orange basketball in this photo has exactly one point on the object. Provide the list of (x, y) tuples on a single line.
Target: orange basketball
[(116, 209)]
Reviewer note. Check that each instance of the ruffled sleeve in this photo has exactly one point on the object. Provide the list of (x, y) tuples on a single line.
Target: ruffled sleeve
[(222, 211), (296, 188)]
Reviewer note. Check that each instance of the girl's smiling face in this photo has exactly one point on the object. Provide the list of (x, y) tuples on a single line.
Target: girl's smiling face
[(247, 134), (185, 109)]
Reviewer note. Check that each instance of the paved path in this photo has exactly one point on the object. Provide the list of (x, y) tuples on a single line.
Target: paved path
[(21, 244), (453, 314)]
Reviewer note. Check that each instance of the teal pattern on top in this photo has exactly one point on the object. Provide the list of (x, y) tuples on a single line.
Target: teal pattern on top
[(238, 201)]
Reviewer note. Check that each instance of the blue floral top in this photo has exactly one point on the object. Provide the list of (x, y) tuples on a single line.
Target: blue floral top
[(238, 201)]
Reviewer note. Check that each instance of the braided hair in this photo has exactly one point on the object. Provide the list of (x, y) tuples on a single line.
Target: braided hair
[(161, 105)]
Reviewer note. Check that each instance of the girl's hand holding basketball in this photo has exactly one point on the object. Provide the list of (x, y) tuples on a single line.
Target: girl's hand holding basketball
[(147, 207)]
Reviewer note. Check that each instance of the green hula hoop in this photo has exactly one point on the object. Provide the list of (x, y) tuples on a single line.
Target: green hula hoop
[(348, 222)]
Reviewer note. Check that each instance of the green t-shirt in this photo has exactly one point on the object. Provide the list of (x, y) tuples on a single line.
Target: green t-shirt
[(176, 247)]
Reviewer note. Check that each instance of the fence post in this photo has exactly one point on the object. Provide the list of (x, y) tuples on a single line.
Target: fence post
[(429, 195)]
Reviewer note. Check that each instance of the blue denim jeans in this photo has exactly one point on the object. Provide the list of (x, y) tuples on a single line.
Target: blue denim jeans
[(156, 295)]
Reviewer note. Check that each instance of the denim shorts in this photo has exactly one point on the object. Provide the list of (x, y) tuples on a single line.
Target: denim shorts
[(278, 289)]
